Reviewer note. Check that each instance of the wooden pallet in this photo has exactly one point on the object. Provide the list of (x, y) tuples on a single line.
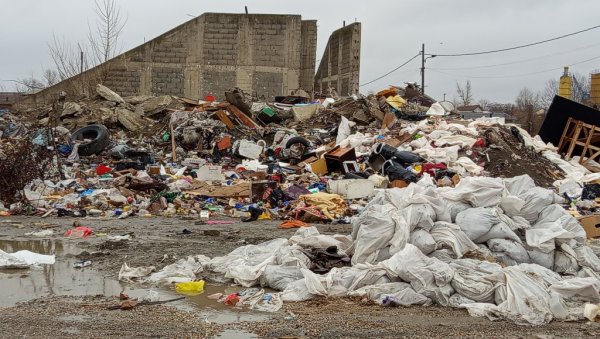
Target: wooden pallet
[(578, 133)]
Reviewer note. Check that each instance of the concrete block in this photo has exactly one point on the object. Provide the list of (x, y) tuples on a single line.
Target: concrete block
[(352, 188)]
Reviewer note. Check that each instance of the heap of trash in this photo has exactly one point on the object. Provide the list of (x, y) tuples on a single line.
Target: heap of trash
[(469, 214)]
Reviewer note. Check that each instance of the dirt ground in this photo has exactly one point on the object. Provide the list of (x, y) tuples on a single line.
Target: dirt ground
[(32, 306)]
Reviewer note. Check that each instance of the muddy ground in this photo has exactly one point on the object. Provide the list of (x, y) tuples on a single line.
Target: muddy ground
[(59, 301)]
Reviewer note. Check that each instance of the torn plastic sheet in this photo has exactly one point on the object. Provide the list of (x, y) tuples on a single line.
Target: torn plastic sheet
[(24, 259)]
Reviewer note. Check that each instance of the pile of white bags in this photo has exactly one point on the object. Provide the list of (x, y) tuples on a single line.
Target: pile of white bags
[(500, 248)]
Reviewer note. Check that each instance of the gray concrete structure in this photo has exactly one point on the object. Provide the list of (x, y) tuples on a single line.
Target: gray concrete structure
[(263, 54), (340, 66)]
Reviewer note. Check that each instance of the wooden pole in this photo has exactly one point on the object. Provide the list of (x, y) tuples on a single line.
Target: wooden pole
[(173, 146)]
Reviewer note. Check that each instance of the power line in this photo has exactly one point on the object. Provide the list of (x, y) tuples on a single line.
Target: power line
[(517, 47), (519, 61), (392, 71), (515, 75)]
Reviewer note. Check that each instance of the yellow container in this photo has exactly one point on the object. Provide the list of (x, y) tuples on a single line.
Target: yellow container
[(595, 89), (564, 88), (190, 287)]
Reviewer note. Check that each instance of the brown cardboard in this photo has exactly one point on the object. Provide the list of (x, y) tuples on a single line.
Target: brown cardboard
[(591, 224)]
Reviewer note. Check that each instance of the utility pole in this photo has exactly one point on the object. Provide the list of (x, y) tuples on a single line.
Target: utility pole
[(423, 69)]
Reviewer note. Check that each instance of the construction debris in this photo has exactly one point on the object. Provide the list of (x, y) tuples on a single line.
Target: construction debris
[(469, 214)]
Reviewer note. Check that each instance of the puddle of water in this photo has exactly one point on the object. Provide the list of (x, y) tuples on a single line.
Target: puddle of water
[(234, 334), (62, 279), (58, 279), (216, 312)]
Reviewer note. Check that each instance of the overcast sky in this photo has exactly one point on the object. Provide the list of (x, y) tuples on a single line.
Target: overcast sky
[(392, 32)]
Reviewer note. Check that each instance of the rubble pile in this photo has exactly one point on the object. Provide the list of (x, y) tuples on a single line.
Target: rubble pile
[(469, 214)]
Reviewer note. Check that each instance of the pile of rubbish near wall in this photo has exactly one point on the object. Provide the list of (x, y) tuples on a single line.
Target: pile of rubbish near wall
[(469, 214)]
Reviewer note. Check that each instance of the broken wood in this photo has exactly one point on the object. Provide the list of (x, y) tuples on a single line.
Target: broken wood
[(130, 303)]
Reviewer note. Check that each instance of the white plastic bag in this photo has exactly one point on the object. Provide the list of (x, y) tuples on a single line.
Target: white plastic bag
[(24, 259), (130, 274)]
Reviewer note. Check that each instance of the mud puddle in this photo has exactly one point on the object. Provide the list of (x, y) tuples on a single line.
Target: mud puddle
[(65, 280)]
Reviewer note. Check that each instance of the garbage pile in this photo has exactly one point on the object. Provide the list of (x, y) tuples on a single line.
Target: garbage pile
[(311, 161), (501, 248), (470, 214)]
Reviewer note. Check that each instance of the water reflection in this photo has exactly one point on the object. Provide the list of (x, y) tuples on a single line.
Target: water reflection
[(58, 279)]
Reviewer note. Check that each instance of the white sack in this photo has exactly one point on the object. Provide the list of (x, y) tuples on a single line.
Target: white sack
[(469, 279), (375, 228), (579, 289), (543, 236), (587, 258), (402, 291), (512, 249), (476, 222), (499, 231), (525, 298), (428, 276), (556, 213), (565, 260), (477, 191), (422, 240), (279, 277), (451, 236)]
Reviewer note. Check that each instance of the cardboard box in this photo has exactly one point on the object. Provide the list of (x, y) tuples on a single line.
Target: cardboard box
[(591, 225)]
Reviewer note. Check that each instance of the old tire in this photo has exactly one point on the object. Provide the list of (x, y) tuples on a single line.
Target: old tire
[(297, 140), (97, 136)]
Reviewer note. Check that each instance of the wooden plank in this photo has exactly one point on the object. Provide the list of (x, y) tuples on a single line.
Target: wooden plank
[(221, 115), (243, 117)]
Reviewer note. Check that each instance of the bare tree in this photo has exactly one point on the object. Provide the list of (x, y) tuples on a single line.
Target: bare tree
[(71, 59), (528, 100), (484, 104), (580, 90), (50, 77), (28, 85), (499, 107), (548, 92), (465, 95), (67, 57), (104, 39)]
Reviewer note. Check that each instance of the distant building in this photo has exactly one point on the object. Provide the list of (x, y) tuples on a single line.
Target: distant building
[(7, 99), (483, 114), (469, 109)]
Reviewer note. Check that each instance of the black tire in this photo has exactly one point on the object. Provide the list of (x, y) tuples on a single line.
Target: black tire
[(297, 140), (100, 139)]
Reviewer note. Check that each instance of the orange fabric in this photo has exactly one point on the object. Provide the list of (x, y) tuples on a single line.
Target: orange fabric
[(293, 224)]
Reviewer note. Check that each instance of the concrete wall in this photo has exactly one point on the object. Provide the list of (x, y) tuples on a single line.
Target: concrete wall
[(340, 64), (264, 54)]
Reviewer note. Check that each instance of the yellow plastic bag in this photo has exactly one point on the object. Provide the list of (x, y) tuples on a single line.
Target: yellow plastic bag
[(396, 101), (190, 287)]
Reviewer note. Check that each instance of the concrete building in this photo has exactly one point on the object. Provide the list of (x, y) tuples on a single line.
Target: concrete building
[(263, 54), (340, 65), (7, 99)]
